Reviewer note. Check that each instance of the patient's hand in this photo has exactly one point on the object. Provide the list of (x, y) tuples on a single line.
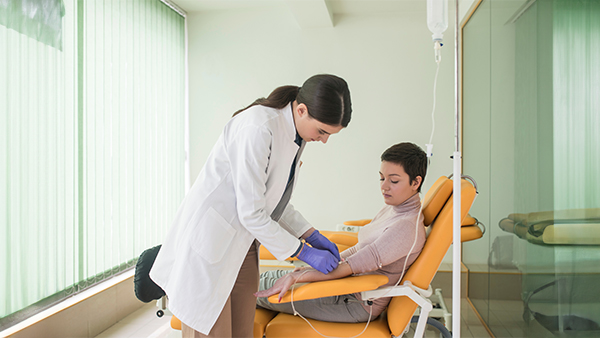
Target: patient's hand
[(304, 275), (281, 285)]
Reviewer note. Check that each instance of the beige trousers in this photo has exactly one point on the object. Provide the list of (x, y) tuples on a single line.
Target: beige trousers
[(237, 317)]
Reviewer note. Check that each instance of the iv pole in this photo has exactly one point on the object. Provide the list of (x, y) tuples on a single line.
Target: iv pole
[(456, 193)]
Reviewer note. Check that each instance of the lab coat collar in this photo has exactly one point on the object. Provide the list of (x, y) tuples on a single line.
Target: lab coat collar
[(289, 119)]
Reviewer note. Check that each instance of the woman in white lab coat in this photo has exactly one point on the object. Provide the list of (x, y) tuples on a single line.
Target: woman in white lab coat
[(208, 263)]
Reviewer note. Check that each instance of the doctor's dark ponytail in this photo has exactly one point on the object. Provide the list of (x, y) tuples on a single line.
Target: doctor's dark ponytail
[(326, 96), (278, 99)]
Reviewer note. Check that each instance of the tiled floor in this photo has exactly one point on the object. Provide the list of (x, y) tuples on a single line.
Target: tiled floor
[(505, 319), (145, 324), (471, 326)]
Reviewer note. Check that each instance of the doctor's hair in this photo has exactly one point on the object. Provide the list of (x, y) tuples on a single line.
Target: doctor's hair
[(327, 98), (411, 157), (278, 99)]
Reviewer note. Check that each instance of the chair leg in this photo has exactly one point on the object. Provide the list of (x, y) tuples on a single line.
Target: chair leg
[(440, 310), (435, 323)]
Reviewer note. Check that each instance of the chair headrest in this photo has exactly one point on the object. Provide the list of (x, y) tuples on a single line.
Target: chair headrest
[(435, 198), (554, 215)]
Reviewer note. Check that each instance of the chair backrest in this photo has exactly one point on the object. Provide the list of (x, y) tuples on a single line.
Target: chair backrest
[(435, 198), (422, 271)]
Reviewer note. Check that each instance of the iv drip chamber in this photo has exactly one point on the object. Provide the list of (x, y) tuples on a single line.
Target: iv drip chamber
[(437, 18)]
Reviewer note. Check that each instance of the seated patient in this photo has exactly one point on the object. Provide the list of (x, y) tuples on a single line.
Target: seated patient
[(383, 245)]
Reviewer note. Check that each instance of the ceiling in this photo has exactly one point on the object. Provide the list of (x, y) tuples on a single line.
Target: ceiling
[(334, 6)]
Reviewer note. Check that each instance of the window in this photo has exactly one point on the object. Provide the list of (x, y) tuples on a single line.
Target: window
[(92, 151)]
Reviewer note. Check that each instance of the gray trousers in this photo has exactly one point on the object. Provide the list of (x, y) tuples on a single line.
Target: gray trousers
[(343, 309)]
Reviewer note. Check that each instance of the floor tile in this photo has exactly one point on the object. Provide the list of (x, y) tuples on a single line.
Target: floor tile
[(516, 331), (146, 331), (120, 330), (166, 332), (479, 332), (145, 323)]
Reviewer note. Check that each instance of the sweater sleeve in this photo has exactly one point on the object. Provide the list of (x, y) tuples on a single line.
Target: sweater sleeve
[(349, 252), (390, 247)]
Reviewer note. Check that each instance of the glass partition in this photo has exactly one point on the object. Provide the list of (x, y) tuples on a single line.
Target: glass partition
[(531, 114)]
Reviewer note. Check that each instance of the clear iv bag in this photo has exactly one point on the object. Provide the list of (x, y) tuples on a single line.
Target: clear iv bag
[(437, 18)]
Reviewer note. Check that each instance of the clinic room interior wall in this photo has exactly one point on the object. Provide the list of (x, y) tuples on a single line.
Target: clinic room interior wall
[(528, 114), (387, 58), (489, 120), (489, 77)]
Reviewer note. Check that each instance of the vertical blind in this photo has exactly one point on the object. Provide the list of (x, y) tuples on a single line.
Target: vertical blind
[(529, 119), (557, 106), (576, 43), (91, 146)]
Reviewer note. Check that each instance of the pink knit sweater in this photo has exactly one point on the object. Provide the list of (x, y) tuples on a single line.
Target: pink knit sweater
[(383, 245)]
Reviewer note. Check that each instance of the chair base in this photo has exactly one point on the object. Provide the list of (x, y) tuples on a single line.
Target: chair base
[(440, 310), (444, 332), (289, 326)]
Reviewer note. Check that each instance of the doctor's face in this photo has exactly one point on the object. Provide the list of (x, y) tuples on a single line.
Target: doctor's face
[(311, 129), (396, 186)]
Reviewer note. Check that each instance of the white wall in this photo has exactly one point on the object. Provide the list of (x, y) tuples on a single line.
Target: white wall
[(237, 56), (464, 8)]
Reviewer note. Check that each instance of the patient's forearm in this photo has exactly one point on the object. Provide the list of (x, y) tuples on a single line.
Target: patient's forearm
[(311, 275), (304, 275)]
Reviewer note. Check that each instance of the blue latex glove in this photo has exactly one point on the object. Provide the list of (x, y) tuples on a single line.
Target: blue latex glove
[(322, 260), (321, 242)]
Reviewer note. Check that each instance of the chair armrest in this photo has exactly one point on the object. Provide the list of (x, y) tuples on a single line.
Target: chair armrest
[(469, 220), (470, 233), (265, 254), (399, 290), (359, 222), (344, 238), (336, 287)]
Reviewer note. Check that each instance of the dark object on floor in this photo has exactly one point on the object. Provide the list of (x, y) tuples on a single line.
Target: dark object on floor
[(570, 323), (145, 288)]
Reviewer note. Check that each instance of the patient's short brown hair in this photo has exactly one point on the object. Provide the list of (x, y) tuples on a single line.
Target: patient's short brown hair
[(411, 157)]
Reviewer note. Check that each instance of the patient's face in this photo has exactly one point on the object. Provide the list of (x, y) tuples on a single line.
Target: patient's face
[(395, 183)]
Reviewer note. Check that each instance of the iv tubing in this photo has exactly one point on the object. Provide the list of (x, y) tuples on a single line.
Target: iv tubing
[(429, 154), (456, 254), (429, 147), (296, 313)]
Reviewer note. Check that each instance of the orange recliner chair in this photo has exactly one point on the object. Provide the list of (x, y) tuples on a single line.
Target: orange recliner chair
[(410, 294)]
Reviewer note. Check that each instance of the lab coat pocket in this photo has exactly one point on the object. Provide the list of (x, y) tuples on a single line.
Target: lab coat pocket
[(212, 236)]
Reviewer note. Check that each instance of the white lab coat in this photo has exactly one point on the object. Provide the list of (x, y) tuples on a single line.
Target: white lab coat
[(227, 208)]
